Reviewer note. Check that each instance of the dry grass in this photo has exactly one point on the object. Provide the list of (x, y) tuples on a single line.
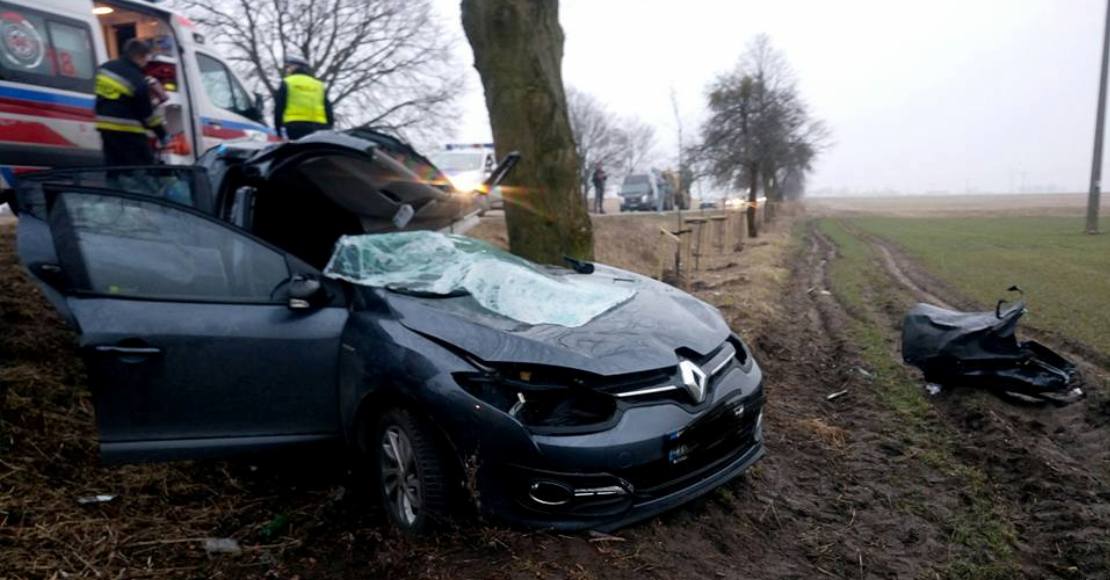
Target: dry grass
[(745, 284), (829, 435), (627, 241), (297, 516)]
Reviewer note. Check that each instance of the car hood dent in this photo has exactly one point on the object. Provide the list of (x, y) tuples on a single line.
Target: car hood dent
[(639, 335)]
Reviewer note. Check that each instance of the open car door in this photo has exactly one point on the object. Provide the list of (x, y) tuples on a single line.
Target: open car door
[(185, 324)]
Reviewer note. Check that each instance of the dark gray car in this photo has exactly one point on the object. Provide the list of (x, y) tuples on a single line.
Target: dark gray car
[(246, 304)]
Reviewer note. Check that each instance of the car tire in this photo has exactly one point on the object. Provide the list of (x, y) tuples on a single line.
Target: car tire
[(412, 474)]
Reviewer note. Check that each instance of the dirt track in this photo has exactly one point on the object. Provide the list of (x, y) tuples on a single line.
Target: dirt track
[(850, 488), (1049, 468)]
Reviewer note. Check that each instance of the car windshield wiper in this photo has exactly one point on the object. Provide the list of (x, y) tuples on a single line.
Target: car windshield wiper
[(580, 266), (456, 293)]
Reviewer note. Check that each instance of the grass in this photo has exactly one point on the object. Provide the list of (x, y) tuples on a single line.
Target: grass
[(1065, 273), (980, 527)]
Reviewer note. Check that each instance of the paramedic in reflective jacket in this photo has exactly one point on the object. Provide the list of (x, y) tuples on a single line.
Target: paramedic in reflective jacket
[(301, 106), (124, 112)]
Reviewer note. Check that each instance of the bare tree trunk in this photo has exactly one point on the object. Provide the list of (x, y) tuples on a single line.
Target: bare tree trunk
[(753, 182), (518, 51)]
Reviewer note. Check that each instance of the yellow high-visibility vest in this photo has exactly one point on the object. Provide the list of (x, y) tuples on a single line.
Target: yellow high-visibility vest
[(304, 100)]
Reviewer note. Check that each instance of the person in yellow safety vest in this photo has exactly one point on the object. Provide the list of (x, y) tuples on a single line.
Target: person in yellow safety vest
[(301, 106), (124, 111)]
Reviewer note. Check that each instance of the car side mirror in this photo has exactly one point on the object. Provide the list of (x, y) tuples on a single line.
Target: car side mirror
[(305, 292), (500, 172)]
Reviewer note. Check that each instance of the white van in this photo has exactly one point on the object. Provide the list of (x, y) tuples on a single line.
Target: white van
[(468, 165), (49, 52)]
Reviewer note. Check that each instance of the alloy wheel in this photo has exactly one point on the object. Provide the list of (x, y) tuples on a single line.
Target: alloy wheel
[(400, 479)]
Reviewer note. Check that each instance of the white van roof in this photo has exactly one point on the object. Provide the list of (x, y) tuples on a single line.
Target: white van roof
[(71, 6)]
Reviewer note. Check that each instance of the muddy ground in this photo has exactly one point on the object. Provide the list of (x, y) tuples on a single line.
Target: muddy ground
[(880, 482)]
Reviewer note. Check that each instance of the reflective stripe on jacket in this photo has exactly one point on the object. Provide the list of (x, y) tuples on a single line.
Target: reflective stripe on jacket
[(123, 99), (304, 100)]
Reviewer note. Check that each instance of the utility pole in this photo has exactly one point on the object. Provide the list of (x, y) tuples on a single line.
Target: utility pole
[(678, 172), (1100, 123)]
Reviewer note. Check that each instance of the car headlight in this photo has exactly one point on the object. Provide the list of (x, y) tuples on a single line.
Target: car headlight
[(542, 403), (467, 186)]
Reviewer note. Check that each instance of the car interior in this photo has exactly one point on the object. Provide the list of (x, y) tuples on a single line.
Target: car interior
[(311, 198)]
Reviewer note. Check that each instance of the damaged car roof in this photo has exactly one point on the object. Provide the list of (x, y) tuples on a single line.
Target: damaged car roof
[(377, 177)]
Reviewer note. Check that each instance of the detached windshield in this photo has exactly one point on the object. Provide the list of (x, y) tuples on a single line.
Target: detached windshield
[(456, 161), (432, 263)]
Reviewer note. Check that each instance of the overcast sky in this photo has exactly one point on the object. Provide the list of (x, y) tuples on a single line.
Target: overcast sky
[(937, 95)]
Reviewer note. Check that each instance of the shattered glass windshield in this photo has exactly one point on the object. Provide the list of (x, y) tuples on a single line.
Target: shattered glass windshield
[(435, 264)]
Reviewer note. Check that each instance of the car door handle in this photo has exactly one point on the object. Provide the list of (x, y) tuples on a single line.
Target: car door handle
[(129, 350)]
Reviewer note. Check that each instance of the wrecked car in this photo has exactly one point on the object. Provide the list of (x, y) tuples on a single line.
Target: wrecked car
[(313, 293), (981, 349)]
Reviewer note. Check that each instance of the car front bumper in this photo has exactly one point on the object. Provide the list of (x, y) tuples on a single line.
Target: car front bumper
[(638, 206), (656, 458), (626, 510)]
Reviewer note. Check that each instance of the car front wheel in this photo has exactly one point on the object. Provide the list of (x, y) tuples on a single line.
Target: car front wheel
[(412, 478)]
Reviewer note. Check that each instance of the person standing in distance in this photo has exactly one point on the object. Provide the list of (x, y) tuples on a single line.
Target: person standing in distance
[(301, 106), (599, 179)]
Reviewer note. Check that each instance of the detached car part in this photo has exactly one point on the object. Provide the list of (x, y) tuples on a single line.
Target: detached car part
[(980, 349)]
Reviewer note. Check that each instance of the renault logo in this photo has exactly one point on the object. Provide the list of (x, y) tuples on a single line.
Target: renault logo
[(693, 378)]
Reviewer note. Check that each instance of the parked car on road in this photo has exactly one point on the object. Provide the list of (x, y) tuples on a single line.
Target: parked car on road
[(646, 192), (313, 293)]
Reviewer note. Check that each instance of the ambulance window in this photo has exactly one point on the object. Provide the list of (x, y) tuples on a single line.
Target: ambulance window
[(242, 100), (222, 87), (46, 50), (73, 50), (214, 77)]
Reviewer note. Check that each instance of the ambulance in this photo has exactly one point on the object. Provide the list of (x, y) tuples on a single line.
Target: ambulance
[(467, 166), (49, 53)]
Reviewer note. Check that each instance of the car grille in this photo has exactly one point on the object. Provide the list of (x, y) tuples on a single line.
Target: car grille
[(669, 386), (722, 435)]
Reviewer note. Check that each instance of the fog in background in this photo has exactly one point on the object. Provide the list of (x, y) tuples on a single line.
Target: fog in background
[(938, 96)]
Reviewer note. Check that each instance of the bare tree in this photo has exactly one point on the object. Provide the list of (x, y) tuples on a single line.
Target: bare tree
[(518, 51), (620, 144), (758, 129), (596, 135), (387, 63), (637, 142)]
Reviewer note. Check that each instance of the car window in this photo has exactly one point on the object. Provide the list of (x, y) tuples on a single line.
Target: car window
[(184, 185), (72, 50), (217, 84), (47, 50), (239, 96), (455, 161), (223, 89), (130, 247)]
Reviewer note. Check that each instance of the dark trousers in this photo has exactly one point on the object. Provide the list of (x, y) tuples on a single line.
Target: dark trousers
[(298, 129), (121, 148), (599, 198)]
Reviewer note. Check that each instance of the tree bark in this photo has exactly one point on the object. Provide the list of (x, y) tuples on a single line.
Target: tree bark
[(753, 183), (518, 51)]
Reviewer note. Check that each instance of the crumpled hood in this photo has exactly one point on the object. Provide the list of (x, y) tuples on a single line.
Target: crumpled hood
[(639, 335)]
